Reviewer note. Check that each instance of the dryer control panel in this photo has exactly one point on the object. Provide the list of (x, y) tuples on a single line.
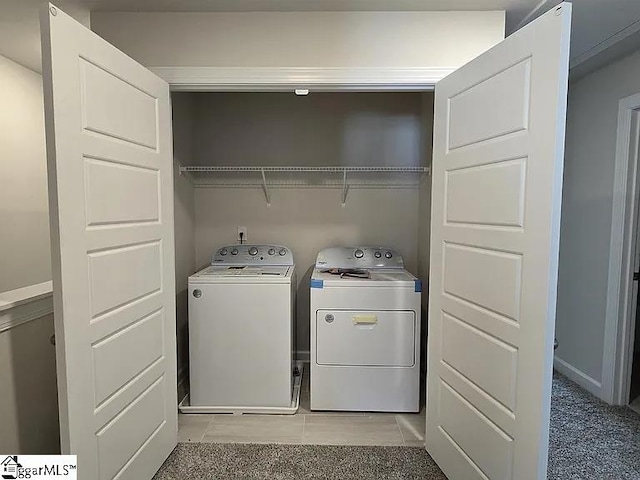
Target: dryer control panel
[(359, 257), (247, 254)]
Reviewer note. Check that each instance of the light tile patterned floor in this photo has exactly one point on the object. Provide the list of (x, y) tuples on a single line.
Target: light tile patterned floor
[(306, 427)]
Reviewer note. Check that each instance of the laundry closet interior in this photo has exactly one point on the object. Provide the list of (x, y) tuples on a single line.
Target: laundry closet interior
[(188, 133), (381, 198)]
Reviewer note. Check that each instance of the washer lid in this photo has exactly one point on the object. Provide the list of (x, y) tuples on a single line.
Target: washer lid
[(244, 271)]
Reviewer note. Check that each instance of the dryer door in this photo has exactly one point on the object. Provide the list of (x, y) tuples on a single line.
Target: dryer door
[(365, 338)]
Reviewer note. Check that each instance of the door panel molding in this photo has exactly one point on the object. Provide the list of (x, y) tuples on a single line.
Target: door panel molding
[(499, 139), (110, 174)]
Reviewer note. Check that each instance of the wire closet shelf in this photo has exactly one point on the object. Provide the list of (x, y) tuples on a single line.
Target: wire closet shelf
[(268, 177)]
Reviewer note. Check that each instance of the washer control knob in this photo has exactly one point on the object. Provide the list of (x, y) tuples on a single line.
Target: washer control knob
[(223, 252), (329, 318), (358, 253), (377, 254), (234, 251), (388, 255), (282, 252), (253, 251), (272, 251), (197, 293)]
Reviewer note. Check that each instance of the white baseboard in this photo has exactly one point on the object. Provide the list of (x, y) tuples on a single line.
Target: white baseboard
[(578, 376), (303, 356)]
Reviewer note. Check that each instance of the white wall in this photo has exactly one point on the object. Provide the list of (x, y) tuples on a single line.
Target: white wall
[(302, 39), (20, 28), (28, 392), (586, 217), (24, 237), (322, 129), (183, 206)]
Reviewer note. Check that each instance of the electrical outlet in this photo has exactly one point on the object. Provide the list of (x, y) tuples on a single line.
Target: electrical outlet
[(243, 231)]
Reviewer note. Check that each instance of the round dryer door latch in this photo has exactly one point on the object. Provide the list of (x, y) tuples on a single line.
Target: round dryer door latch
[(329, 318), (197, 293)]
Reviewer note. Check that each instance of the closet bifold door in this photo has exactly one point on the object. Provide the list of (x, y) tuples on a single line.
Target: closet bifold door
[(497, 179), (109, 154)]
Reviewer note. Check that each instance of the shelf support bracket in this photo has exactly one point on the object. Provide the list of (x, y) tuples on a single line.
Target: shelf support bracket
[(185, 173), (265, 188), (345, 188)]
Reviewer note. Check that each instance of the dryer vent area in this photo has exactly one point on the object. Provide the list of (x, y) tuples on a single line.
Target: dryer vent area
[(339, 168)]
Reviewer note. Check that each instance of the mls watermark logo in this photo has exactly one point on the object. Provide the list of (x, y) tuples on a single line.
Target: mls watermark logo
[(9, 467), (14, 467)]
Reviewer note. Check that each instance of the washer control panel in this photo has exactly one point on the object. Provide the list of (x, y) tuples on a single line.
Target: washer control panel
[(252, 255), (359, 257)]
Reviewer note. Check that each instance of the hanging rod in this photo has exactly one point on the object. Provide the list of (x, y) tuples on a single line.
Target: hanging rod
[(196, 169)]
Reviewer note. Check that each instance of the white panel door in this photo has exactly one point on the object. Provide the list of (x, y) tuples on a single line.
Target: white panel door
[(109, 155), (497, 177)]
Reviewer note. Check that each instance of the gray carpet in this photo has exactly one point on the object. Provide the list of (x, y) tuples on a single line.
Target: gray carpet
[(588, 440), (208, 461)]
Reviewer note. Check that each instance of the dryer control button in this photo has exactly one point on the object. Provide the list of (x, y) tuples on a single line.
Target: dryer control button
[(282, 252), (377, 254), (234, 251), (272, 251), (224, 251), (253, 251), (358, 253), (388, 255), (329, 318)]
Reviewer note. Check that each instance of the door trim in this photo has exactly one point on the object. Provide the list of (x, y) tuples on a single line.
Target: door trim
[(260, 79), (619, 316)]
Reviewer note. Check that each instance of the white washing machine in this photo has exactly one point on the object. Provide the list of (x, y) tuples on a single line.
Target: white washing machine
[(365, 331), (241, 333)]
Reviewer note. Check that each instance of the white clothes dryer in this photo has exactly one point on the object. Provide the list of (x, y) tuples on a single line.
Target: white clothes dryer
[(365, 331)]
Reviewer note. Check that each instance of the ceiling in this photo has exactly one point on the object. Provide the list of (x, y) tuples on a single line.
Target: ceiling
[(596, 23)]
